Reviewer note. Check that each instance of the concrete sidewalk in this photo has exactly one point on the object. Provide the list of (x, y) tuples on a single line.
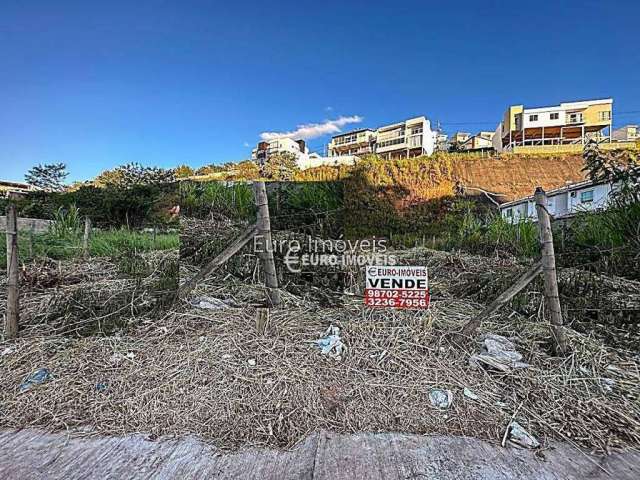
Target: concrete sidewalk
[(37, 455)]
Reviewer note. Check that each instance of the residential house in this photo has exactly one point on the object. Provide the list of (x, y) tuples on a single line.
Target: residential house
[(458, 138), (7, 186), (441, 141), (297, 148), (561, 202), (410, 138), (356, 142), (481, 141), (628, 133), (564, 127)]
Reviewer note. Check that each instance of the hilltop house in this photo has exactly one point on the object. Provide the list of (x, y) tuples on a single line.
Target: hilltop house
[(481, 141), (7, 187), (410, 138), (458, 138), (297, 148), (300, 151), (628, 133), (565, 127)]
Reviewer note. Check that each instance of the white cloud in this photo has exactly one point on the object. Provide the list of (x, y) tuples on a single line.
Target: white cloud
[(328, 109), (313, 130), (246, 144)]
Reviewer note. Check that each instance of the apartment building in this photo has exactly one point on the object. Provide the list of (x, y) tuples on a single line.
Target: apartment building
[(481, 141), (554, 128), (297, 148), (628, 133), (356, 142), (410, 138)]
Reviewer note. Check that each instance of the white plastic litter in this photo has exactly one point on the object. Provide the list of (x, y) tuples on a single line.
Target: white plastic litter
[(497, 352), (469, 394), (7, 351), (440, 398), (331, 344), (209, 303), (252, 362), (519, 436)]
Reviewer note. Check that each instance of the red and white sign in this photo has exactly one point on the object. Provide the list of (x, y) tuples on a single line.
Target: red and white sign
[(396, 287)]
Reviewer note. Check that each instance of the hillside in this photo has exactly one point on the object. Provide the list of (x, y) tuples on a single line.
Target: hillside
[(516, 176)]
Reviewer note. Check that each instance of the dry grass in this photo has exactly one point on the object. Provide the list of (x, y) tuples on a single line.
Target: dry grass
[(187, 370)]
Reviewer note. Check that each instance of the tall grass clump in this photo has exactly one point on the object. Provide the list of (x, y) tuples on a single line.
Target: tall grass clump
[(232, 199), (66, 222)]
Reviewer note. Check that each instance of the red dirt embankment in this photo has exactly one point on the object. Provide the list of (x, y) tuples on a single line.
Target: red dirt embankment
[(517, 176)]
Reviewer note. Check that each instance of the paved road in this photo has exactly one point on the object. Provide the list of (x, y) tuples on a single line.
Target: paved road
[(34, 454)]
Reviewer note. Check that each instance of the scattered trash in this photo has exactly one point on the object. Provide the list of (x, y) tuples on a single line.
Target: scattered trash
[(252, 362), (440, 398), (7, 351), (209, 303), (101, 387), (379, 356), (608, 384), (131, 355), (226, 356), (469, 394), (36, 378), (518, 435), (497, 352), (331, 344)]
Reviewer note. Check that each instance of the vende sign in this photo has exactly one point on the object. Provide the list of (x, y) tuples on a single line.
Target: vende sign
[(397, 287)]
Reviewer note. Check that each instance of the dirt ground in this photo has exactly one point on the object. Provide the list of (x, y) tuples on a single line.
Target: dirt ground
[(208, 372)]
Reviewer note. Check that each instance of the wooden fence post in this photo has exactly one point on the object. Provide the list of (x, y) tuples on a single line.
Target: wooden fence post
[(263, 238), (13, 284), (551, 296), (85, 238), (471, 327)]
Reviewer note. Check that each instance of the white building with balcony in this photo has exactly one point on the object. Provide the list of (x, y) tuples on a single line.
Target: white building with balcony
[(410, 138), (297, 148)]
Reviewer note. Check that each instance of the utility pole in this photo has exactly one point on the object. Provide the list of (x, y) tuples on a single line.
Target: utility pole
[(13, 285), (263, 238), (551, 296)]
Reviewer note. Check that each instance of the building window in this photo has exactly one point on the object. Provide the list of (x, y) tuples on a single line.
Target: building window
[(554, 116), (586, 197), (575, 117), (533, 118), (509, 212), (605, 116)]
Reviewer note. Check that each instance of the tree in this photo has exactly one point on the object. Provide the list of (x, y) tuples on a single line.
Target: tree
[(621, 169), (280, 167), (245, 170), (132, 174), (48, 177), (184, 171)]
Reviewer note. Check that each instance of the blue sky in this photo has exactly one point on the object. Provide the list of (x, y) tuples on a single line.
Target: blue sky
[(99, 84)]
